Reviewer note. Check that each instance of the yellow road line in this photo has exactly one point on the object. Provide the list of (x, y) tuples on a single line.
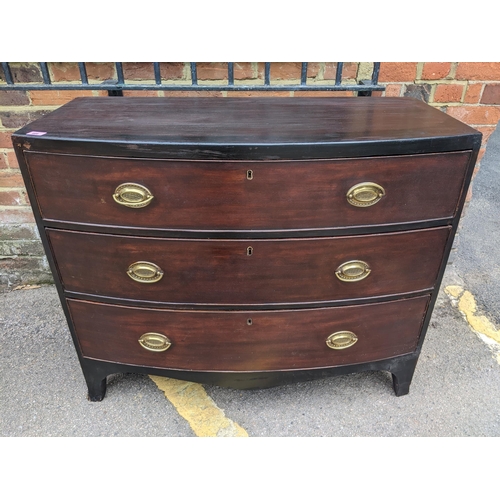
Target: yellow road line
[(485, 329), (198, 408)]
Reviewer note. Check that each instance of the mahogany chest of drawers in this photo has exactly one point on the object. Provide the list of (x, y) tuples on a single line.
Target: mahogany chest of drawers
[(247, 242)]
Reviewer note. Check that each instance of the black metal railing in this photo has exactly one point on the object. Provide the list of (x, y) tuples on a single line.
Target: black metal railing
[(117, 86)]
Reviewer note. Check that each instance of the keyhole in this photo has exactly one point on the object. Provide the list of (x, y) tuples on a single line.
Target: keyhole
[(249, 321), (249, 175), (249, 251)]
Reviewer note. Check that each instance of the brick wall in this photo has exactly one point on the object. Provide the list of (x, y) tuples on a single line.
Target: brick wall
[(469, 92)]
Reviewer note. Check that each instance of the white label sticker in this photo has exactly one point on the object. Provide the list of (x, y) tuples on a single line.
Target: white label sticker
[(35, 132)]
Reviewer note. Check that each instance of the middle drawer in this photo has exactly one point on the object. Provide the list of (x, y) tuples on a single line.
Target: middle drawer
[(248, 272)]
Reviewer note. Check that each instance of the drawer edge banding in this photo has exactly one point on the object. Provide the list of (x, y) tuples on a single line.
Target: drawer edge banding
[(248, 307)]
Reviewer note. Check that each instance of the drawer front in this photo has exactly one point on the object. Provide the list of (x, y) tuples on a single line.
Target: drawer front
[(280, 195), (242, 272), (226, 341)]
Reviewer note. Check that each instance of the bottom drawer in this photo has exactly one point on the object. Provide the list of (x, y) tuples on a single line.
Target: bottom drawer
[(248, 340)]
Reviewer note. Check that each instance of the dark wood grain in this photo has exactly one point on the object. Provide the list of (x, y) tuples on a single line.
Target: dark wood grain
[(254, 132), (221, 341), (259, 128), (221, 272), (218, 196)]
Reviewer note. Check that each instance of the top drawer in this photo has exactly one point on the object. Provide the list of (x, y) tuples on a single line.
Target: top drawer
[(246, 196)]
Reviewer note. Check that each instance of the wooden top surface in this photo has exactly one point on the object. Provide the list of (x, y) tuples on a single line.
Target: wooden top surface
[(234, 126)]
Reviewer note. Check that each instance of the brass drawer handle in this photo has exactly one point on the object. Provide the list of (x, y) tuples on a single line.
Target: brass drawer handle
[(145, 272), (155, 342), (341, 340), (354, 270), (133, 195), (365, 194)]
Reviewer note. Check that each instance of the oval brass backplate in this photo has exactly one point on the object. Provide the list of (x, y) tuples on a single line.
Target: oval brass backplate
[(341, 340), (132, 195), (155, 342), (354, 270), (365, 194), (145, 272)]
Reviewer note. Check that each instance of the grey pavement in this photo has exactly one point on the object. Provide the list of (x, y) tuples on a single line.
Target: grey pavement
[(455, 390), (478, 244)]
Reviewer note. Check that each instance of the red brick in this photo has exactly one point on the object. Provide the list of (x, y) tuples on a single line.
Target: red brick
[(8, 159), (291, 71), (261, 67), (172, 71), (11, 179), (313, 69), (69, 72), (16, 215), (99, 72), (12, 160), (256, 93), (286, 71), (13, 198), (145, 71), (491, 94), (138, 71), (211, 71), (5, 140), (397, 72), (13, 98), (3, 160), (192, 93), (244, 71), (393, 90), (141, 93), (448, 93), (473, 93), (25, 72), (64, 72), (56, 97), (476, 115), (11, 119), (349, 71), (435, 70), (323, 93), (478, 71)]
